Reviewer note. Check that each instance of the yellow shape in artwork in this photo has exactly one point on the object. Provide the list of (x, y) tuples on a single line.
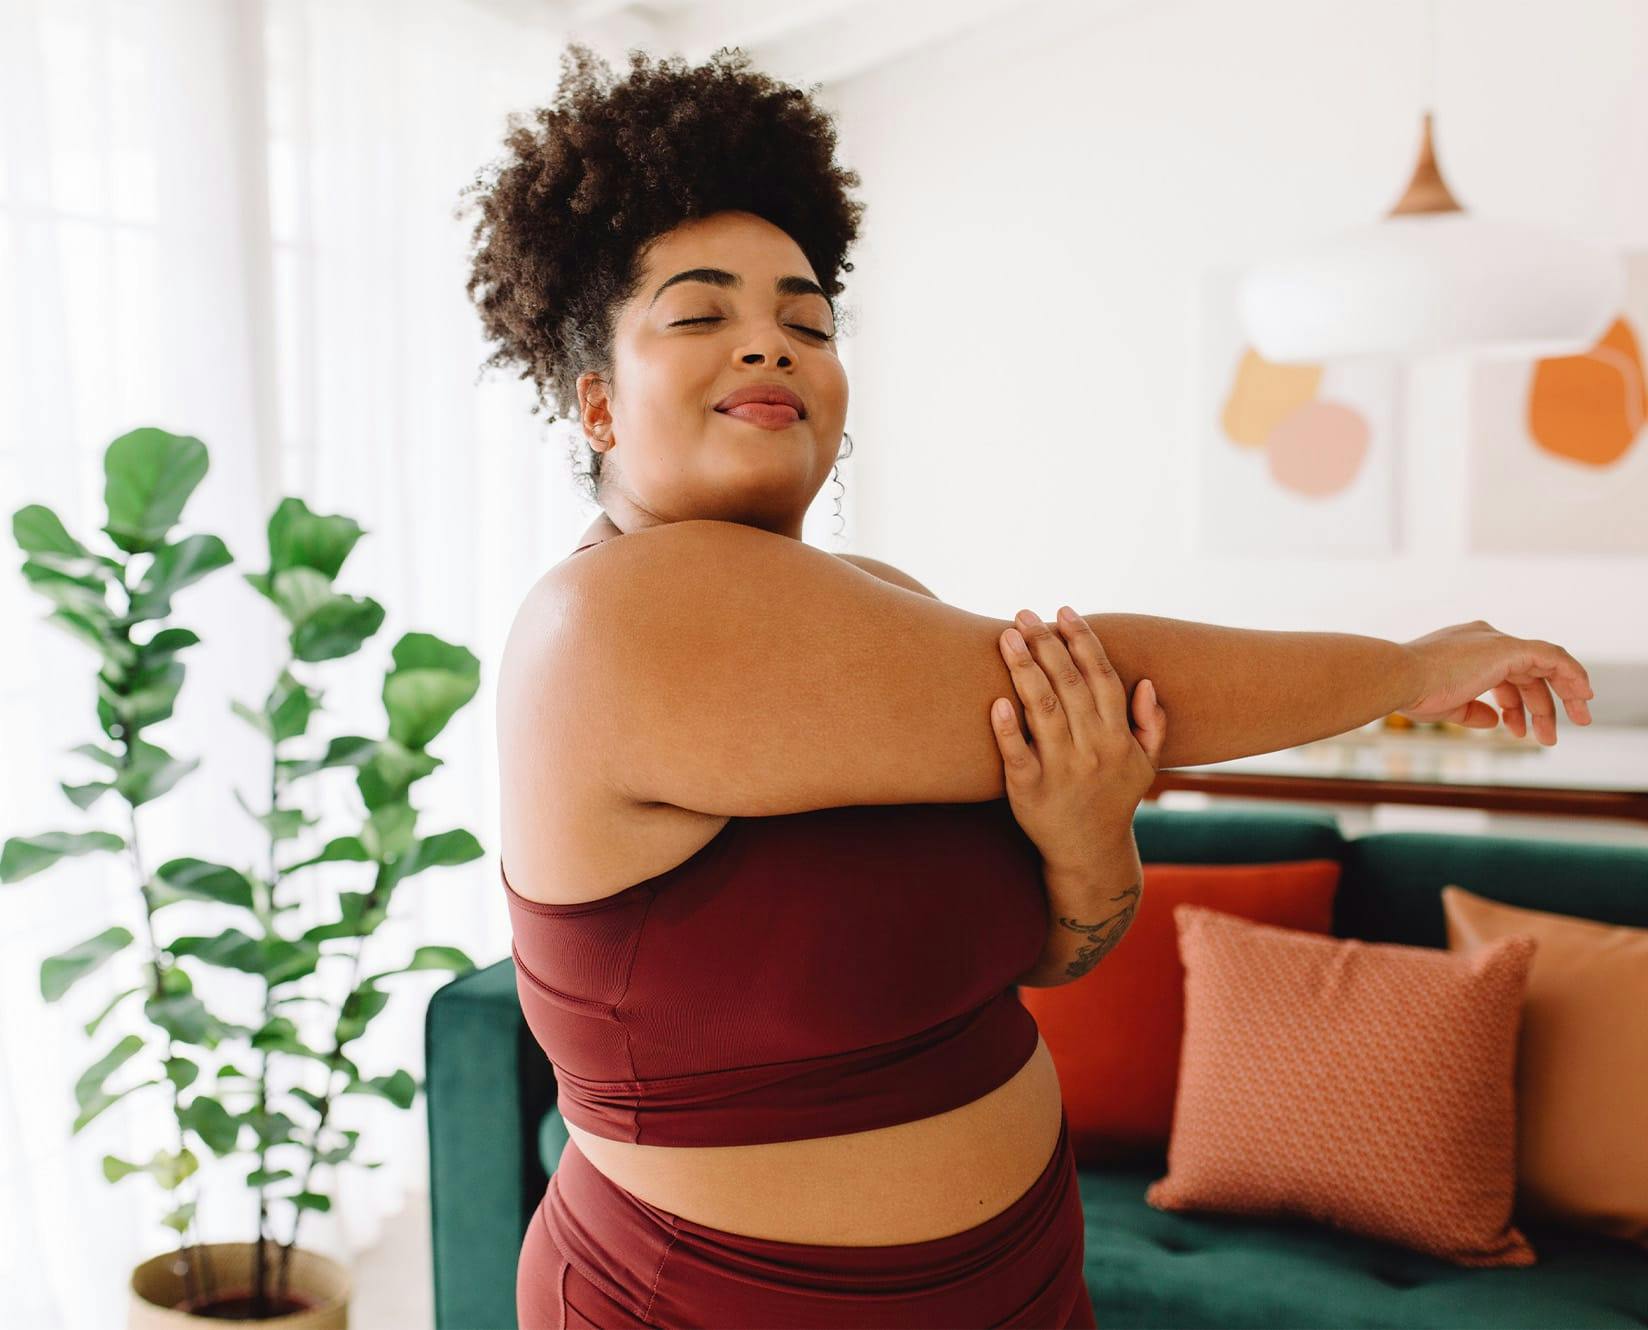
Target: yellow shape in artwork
[(1262, 394), (1589, 408)]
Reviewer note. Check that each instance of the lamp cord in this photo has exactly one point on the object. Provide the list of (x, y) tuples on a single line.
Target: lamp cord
[(1428, 76)]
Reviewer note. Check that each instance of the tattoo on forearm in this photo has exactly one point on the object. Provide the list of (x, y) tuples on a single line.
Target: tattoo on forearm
[(1104, 934)]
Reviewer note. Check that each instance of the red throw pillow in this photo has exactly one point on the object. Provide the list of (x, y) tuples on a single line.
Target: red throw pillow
[(1369, 1086), (1114, 1034)]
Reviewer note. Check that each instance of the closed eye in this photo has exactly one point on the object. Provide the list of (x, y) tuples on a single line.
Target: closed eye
[(715, 318)]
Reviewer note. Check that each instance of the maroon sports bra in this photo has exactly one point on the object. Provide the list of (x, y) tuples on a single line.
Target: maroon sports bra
[(809, 974)]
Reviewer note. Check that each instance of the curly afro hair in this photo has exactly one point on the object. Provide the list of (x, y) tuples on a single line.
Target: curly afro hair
[(568, 210)]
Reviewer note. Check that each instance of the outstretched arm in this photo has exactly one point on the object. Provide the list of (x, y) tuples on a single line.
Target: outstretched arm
[(1234, 692)]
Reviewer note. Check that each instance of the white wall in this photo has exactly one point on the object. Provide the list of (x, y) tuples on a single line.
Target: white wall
[(1043, 196)]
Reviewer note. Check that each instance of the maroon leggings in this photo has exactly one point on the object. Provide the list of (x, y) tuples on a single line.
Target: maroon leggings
[(596, 1255)]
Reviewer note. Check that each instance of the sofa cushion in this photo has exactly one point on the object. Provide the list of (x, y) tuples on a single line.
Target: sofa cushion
[(1115, 1036), (1152, 1268), (1369, 1086), (1391, 891), (1582, 1063)]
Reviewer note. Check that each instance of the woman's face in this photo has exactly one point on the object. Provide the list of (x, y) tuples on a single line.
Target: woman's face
[(669, 455)]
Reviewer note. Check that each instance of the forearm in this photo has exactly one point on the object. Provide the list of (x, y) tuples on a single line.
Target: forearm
[(1088, 912), (1233, 692)]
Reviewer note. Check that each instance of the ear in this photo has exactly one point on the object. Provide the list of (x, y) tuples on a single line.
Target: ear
[(593, 408)]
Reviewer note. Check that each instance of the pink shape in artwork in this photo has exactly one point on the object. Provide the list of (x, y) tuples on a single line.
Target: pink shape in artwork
[(1317, 448)]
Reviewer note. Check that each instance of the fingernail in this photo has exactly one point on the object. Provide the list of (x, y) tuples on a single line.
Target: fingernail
[(1067, 614), (1026, 619)]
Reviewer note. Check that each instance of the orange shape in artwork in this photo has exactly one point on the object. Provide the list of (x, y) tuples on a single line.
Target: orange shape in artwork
[(1589, 408), (1262, 393), (1318, 449)]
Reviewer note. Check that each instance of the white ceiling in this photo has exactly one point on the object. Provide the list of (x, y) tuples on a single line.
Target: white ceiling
[(796, 41)]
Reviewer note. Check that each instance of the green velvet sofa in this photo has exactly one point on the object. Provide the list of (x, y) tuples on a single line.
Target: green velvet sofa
[(495, 1134)]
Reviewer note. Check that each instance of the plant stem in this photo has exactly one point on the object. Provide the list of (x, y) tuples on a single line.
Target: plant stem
[(191, 1274)]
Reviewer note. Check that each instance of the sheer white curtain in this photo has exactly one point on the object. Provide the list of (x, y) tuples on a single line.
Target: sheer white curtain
[(235, 220)]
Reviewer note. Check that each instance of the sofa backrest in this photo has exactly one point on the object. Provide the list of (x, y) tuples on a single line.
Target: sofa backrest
[(1391, 890)]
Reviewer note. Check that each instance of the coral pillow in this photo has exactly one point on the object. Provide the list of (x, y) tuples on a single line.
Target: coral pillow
[(1114, 1035), (1582, 1064), (1369, 1086)]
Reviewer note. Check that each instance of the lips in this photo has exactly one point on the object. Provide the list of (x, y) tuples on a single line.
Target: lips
[(771, 415), (773, 393)]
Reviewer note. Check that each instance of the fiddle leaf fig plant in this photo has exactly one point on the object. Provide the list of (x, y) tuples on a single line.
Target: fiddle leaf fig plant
[(264, 1088)]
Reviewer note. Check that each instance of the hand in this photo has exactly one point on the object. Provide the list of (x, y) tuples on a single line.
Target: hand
[(1074, 792), (1462, 662)]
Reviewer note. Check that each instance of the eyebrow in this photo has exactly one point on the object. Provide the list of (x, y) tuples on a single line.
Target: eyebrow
[(785, 286)]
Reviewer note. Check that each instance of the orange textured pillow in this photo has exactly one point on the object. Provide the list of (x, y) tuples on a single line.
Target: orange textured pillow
[(1582, 1064), (1369, 1086), (1114, 1034)]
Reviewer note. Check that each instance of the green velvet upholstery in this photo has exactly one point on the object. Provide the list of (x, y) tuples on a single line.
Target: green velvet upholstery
[(495, 1134)]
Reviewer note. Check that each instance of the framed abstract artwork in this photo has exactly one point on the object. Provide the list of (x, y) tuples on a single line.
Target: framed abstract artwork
[(1558, 448), (1292, 459)]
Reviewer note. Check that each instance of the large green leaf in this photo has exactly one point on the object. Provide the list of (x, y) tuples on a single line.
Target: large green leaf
[(359, 917), (24, 856), (181, 1071), (299, 538), (289, 706), (89, 1092), (279, 1035), (199, 879), (179, 1218), (86, 597), (145, 696), (150, 771), (346, 750), (430, 958), (118, 654), (168, 642), (168, 1167), (40, 534), (431, 680), (398, 1088), (280, 823), (358, 1010), (174, 567), (338, 850), (275, 958), (84, 796), (185, 1018), (336, 628), (441, 850), (388, 830), (391, 771), (336, 1154), (271, 1129), (148, 478), (59, 973), (212, 1122), (91, 1025)]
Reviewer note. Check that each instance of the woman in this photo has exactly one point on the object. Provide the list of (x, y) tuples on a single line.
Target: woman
[(774, 865)]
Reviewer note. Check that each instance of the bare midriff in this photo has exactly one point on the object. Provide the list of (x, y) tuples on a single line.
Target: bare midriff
[(910, 1182)]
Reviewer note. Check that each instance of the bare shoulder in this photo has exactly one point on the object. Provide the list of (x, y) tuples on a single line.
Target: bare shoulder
[(681, 665), (886, 572)]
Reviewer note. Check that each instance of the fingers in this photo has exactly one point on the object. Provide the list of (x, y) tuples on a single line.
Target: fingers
[(1109, 694), (1509, 698), (1149, 722), (1570, 680), (1536, 696), (1058, 704), (1018, 761)]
